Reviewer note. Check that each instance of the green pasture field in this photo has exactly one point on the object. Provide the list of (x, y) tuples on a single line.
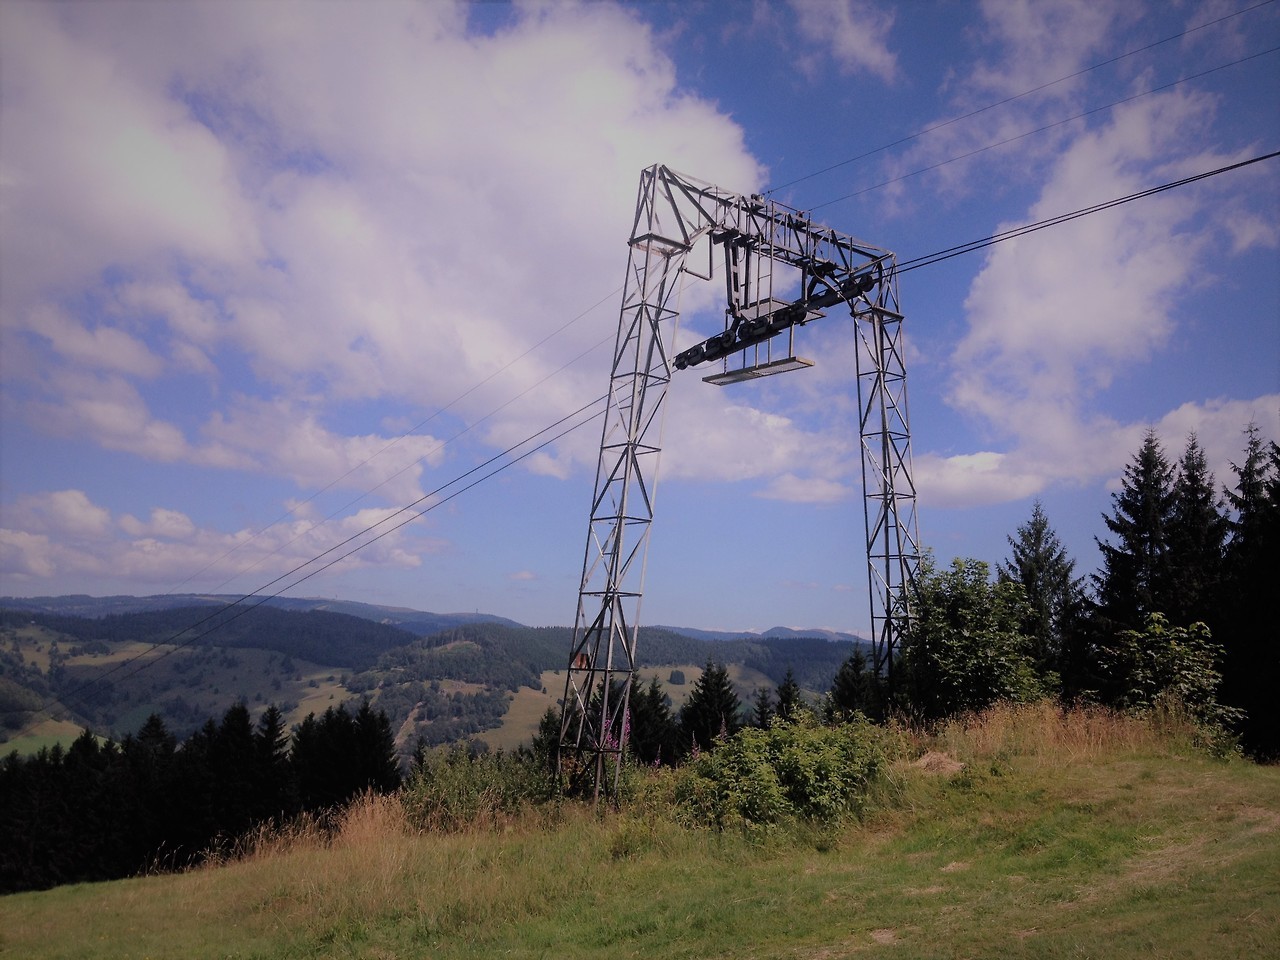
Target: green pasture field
[(45, 734), (1027, 833), (528, 706)]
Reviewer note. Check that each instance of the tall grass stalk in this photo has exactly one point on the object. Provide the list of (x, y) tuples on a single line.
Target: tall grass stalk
[(1047, 733)]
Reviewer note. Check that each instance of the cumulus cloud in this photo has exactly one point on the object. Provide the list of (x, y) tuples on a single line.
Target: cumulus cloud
[(1050, 326), (856, 33), (64, 535), (1026, 76), (230, 209)]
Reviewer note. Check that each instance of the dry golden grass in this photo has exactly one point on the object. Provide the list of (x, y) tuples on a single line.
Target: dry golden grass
[(1065, 834), (1048, 734)]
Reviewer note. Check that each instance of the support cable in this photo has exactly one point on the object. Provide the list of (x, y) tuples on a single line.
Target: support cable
[(1041, 129), (1018, 96), (904, 267), (930, 259), (408, 433), (440, 446), (173, 643)]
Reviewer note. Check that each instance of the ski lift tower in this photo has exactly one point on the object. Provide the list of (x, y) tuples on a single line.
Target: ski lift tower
[(782, 271)]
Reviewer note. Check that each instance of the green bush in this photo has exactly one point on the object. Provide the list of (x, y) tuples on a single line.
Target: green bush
[(789, 772)]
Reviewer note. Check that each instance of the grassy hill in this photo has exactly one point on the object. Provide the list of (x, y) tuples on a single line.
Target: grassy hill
[(1024, 833)]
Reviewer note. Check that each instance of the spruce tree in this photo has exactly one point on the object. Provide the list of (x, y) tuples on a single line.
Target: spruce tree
[(762, 708), (375, 765), (1197, 541), (653, 735), (276, 792), (1249, 635), (850, 690), (1135, 578), (711, 710), (790, 699), (1039, 562)]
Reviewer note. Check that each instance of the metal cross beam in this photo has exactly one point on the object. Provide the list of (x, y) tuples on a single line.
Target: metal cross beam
[(781, 270)]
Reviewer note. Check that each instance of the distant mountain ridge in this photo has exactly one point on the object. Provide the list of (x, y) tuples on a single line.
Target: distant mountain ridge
[(109, 663), (419, 622), (773, 633)]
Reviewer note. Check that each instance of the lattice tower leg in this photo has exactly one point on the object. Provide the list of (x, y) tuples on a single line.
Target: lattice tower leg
[(889, 494), (594, 718)]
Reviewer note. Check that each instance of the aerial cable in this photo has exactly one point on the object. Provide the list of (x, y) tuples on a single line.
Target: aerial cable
[(440, 446), (411, 431), (1041, 129), (929, 260), (1000, 103), (904, 267), (244, 608), (173, 643)]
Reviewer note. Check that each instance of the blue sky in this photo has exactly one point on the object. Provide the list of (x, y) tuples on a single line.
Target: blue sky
[(270, 272)]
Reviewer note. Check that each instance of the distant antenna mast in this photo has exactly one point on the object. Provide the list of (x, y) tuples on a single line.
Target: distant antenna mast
[(781, 272)]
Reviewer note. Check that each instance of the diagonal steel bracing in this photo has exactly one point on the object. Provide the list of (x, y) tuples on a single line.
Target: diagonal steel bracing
[(770, 251)]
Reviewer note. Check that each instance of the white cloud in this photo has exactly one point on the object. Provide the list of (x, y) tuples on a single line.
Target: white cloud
[(170, 524), (1219, 426), (280, 438), (973, 479), (65, 512), (100, 347), (856, 32), (1022, 51), (1052, 324), (100, 169), (26, 557), (298, 195), (1039, 41), (796, 489), (109, 409), (63, 535)]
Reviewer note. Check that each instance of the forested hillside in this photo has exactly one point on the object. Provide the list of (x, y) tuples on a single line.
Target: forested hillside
[(187, 664)]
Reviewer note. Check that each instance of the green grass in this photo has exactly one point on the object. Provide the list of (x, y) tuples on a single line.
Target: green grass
[(1024, 835), (43, 735)]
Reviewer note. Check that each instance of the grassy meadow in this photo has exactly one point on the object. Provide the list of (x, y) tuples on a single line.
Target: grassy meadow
[(1025, 832)]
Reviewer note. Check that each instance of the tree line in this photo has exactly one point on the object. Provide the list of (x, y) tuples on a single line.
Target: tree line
[(100, 810), (1179, 611), (1181, 608)]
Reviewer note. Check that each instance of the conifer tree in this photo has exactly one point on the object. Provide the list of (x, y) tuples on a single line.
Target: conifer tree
[(1249, 632), (1135, 578), (850, 690), (1197, 541), (762, 708), (790, 699), (711, 710), (1039, 562), (275, 790), (377, 766), (652, 737)]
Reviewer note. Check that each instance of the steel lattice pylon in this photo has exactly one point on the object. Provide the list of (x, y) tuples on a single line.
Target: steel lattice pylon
[(768, 248)]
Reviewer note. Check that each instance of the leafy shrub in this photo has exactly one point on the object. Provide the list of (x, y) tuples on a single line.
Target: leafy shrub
[(788, 772), (1163, 662)]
